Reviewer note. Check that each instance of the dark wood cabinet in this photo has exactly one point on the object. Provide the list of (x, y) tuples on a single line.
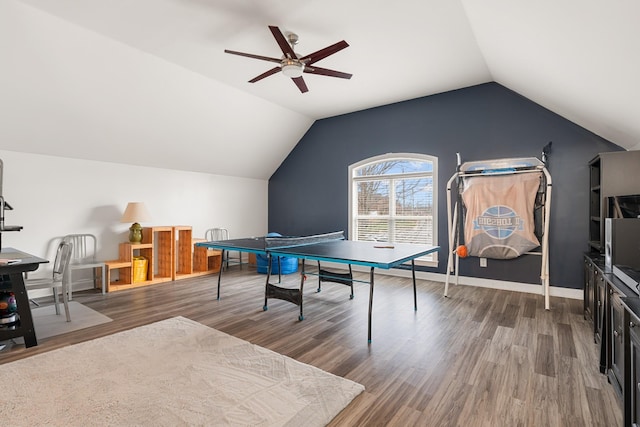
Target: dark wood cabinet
[(596, 228), (599, 305), (588, 298), (632, 361), (611, 307), (613, 310), (634, 372), (616, 342)]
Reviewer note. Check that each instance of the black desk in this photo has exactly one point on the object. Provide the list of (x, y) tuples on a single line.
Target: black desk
[(12, 280)]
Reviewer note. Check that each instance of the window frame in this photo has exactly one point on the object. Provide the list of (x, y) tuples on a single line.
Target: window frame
[(353, 194)]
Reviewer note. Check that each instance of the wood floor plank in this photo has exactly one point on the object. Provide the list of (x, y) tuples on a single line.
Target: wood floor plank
[(513, 412), (604, 411), (542, 408), (525, 331), (565, 340), (529, 307), (490, 325), (572, 403), (518, 373), (447, 405), (480, 357), (545, 359), (407, 416), (483, 398), (481, 311), (508, 316), (499, 346)]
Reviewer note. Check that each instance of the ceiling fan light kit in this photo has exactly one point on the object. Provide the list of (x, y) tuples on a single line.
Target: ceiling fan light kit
[(294, 66)]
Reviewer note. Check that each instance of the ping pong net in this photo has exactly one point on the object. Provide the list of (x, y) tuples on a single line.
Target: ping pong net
[(292, 242)]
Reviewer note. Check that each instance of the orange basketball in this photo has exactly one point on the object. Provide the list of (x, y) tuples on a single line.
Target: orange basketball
[(462, 251)]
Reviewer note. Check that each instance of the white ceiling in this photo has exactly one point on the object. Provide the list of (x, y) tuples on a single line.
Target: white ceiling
[(147, 82)]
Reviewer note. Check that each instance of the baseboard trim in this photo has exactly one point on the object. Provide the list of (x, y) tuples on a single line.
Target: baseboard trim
[(555, 291)]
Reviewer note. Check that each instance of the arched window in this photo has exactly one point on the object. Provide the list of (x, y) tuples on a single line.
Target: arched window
[(393, 199)]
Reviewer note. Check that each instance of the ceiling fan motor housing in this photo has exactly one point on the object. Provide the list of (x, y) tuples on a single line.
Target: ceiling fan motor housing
[(293, 39)]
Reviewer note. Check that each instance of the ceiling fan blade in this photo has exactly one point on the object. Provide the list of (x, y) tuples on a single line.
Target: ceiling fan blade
[(327, 72), (282, 42), (323, 53), (265, 74), (250, 55), (299, 81)]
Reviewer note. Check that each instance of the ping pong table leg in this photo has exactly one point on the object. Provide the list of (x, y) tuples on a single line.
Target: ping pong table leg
[(265, 307), (279, 270), (301, 317), (415, 294), (220, 274), (352, 296), (370, 302)]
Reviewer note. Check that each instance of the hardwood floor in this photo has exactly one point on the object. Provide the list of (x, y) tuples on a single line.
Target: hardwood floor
[(482, 357)]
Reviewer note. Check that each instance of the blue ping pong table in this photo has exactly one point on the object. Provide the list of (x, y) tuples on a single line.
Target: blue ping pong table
[(330, 247)]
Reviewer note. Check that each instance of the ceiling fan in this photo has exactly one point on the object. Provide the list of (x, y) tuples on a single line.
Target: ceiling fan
[(293, 65)]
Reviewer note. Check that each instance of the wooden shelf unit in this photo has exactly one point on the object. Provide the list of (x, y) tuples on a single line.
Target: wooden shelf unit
[(162, 239), (184, 252), (205, 260), (170, 255)]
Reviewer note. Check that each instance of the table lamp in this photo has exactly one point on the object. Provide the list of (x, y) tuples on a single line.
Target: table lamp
[(135, 212)]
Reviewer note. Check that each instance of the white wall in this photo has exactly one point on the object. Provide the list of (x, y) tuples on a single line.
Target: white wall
[(54, 196)]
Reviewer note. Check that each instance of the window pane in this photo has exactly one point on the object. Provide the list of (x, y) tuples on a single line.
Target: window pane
[(419, 230), (370, 229), (379, 168), (396, 166), (373, 197), (414, 197), (395, 199), (411, 166)]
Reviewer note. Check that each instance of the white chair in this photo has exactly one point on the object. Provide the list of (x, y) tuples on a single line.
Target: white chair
[(57, 281), (218, 234), (85, 247)]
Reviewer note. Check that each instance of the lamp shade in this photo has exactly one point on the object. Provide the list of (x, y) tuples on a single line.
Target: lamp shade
[(136, 212)]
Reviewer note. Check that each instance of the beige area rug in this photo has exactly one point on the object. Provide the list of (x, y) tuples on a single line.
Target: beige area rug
[(169, 373), (48, 324)]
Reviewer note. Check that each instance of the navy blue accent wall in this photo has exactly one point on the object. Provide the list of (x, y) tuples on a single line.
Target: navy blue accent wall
[(308, 193)]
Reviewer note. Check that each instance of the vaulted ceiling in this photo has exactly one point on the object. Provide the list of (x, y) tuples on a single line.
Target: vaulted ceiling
[(147, 82)]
